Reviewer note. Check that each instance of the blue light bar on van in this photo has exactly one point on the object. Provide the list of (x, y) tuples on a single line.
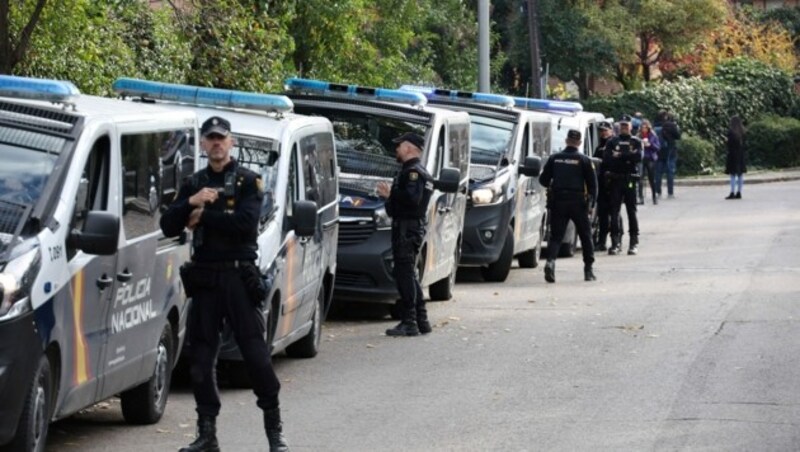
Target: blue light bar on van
[(202, 96), (38, 89), (548, 105), (461, 96), (388, 95)]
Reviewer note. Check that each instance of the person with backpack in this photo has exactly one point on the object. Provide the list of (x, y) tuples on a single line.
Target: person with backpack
[(669, 133), (735, 161)]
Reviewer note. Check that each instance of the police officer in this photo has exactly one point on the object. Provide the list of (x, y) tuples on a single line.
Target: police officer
[(572, 181), (621, 157), (606, 132), (221, 204), (407, 202)]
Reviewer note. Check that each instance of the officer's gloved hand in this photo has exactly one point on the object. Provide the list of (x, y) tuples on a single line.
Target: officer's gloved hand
[(592, 202)]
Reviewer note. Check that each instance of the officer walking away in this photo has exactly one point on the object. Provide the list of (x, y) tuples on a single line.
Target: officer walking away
[(606, 132), (620, 161), (572, 182), (221, 204), (407, 201)]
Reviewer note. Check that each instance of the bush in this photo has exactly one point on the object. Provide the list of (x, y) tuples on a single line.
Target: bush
[(695, 156), (773, 142)]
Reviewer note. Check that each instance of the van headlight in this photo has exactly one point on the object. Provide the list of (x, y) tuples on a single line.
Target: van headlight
[(16, 282), (382, 219), (491, 193)]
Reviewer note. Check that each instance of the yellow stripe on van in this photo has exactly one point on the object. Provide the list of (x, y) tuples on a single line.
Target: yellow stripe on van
[(81, 359), (291, 298)]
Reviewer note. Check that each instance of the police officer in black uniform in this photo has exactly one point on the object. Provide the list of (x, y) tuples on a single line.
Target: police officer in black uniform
[(572, 183), (407, 203), (606, 132), (221, 204), (620, 162)]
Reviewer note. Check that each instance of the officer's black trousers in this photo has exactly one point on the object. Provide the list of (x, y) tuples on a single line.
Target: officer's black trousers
[(406, 242), (571, 206), (224, 297), (620, 190), (602, 215)]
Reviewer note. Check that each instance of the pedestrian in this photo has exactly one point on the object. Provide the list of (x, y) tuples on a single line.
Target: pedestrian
[(407, 203), (651, 145), (669, 134), (735, 162), (620, 159), (221, 205), (572, 182), (606, 132)]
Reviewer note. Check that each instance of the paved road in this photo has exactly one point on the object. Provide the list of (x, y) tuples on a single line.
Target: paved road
[(692, 345)]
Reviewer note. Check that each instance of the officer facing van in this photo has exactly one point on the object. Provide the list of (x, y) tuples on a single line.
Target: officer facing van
[(572, 183), (407, 201), (621, 158), (221, 204)]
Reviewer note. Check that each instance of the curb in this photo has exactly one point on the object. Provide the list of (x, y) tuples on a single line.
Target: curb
[(754, 179)]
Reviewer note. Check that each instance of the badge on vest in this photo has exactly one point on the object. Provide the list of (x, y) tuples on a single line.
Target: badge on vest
[(413, 176)]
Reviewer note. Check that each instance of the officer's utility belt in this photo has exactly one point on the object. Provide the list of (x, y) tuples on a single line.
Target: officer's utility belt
[(615, 176), (223, 265), (408, 220)]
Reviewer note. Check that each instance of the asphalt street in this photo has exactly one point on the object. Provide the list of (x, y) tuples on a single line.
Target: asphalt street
[(691, 345)]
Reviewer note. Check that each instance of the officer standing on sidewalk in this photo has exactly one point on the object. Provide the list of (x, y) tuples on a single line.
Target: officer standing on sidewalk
[(606, 132), (221, 204), (407, 202), (571, 179)]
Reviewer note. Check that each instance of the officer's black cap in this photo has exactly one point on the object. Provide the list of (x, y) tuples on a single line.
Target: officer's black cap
[(625, 119), (215, 125), (604, 125), (412, 138), (573, 134)]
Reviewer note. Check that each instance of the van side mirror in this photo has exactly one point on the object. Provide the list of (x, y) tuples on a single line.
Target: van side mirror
[(304, 218), (100, 234), (449, 179), (532, 166)]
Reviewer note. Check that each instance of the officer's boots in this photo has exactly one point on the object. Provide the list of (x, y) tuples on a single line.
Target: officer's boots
[(274, 428), (424, 326), (633, 248), (588, 274), (616, 246), (550, 271), (206, 436), (404, 328)]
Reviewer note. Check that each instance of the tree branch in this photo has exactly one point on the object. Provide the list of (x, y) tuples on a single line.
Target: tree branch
[(27, 32), (5, 43)]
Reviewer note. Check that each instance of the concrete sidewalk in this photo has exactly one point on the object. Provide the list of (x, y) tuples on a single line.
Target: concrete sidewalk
[(754, 177)]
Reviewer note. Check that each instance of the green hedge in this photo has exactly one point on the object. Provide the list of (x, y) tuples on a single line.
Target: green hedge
[(703, 108), (773, 142), (696, 156)]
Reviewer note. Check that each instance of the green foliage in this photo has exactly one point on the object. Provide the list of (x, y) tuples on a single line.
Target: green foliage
[(703, 107), (235, 47), (788, 17), (773, 141), (697, 156)]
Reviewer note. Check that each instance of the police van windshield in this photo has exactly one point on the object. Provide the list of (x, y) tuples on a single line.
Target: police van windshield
[(364, 147), (26, 161), (491, 139), (258, 154)]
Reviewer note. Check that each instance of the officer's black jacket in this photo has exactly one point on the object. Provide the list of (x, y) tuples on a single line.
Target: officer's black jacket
[(569, 171), (411, 190), (622, 154), (229, 226)]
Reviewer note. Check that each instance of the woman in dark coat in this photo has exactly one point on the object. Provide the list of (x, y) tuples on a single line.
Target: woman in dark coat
[(735, 163)]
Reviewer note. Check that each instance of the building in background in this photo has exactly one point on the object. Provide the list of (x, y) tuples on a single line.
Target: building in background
[(766, 4)]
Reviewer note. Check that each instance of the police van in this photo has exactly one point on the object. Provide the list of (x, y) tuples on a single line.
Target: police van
[(365, 120), (506, 206), (91, 305), (566, 116), (299, 221)]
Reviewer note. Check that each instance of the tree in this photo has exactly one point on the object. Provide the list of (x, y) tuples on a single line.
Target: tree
[(15, 40), (662, 27)]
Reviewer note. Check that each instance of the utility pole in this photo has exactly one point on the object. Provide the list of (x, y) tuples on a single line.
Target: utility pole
[(483, 46), (533, 34)]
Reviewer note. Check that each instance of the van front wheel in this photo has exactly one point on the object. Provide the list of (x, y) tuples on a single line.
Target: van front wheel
[(35, 419), (145, 403)]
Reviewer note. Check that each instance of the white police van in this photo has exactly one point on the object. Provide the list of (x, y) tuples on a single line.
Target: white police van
[(506, 206), (566, 116), (365, 120), (299, 223), (91, 304)]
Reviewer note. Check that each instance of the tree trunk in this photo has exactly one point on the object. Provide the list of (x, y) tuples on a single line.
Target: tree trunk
[(10, 54)]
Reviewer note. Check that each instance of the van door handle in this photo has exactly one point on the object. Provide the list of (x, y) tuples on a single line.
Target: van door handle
[(124, 276), (104, 281)]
